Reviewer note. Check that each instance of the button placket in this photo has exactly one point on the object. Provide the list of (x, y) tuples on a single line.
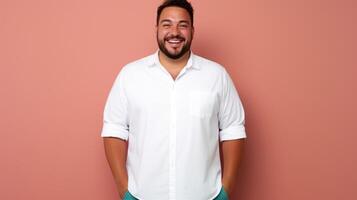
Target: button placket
[(172, 143)]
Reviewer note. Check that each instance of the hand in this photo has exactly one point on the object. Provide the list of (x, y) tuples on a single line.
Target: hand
[(122, 193), (227, 190)]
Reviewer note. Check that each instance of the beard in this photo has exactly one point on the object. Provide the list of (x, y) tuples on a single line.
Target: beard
[(186, 47)]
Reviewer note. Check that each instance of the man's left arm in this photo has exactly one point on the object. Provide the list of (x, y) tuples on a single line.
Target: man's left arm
[(231, 132), (232, 151)]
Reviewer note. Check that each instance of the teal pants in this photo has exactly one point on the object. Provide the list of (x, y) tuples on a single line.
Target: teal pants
[(221, 196), (128, 196)]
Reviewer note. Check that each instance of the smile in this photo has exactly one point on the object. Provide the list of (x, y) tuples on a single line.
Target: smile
[(174, 41)]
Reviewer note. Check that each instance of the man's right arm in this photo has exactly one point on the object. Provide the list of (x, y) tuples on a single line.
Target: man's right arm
[(116, 152)]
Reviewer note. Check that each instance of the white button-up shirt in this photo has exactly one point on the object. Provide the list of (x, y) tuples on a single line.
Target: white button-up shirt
[(173, 127)]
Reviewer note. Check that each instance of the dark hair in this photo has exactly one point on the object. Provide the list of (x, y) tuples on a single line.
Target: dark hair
[(175, 3)]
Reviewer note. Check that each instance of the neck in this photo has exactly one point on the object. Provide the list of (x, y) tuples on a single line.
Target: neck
[(174, 63)]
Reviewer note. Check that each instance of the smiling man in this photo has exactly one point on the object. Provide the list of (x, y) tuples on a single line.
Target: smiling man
[(166, 115)]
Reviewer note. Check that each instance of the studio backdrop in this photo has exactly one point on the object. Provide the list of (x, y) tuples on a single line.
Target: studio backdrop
[(293, 63)]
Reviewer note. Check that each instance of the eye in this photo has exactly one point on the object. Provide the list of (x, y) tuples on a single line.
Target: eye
[(183, 25), (166, 25)]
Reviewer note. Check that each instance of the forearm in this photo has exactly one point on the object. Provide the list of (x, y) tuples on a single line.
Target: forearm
[(232, 151), (116, 151)]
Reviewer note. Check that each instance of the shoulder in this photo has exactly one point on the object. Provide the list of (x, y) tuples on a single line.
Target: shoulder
[(210, 65), (132, 69), (138, 64)]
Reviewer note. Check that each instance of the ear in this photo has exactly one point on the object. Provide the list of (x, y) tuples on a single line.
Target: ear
[(193, 32), (156, 28)]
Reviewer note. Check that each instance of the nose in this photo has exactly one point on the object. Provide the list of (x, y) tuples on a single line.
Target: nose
[(174, 30)]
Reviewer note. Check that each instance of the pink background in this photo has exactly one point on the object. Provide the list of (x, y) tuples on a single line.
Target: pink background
[(293, 62)]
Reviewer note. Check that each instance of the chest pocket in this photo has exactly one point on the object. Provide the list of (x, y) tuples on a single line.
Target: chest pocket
[(202, 104)]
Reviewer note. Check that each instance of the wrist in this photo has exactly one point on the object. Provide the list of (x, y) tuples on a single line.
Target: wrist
[(122, 192), (227, 189)]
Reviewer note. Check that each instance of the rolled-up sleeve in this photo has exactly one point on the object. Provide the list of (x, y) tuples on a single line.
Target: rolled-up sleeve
[(231, 112), (115, 116)]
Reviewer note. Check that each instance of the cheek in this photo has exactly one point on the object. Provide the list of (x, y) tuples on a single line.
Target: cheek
[(186, 33), (162, 34)]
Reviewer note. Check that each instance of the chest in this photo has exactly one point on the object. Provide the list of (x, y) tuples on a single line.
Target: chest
[(155, 95)]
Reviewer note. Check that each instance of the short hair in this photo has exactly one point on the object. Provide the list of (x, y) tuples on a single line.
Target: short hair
[(175, 3)]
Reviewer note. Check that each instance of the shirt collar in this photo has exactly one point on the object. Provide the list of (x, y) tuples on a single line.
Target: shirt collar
[(153, 60)]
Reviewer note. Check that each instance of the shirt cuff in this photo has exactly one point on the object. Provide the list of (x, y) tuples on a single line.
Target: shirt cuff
[(232, 133), (112, 130)]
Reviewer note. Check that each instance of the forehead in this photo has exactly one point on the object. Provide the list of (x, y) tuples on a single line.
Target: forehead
[(174, 13)]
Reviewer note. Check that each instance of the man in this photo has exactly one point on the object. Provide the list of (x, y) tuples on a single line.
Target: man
[(165, 116)]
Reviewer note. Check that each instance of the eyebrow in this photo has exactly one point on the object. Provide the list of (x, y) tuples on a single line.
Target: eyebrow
[(181, 21)]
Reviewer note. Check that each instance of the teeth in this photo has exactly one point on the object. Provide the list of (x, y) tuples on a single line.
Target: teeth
[(174, 41)]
